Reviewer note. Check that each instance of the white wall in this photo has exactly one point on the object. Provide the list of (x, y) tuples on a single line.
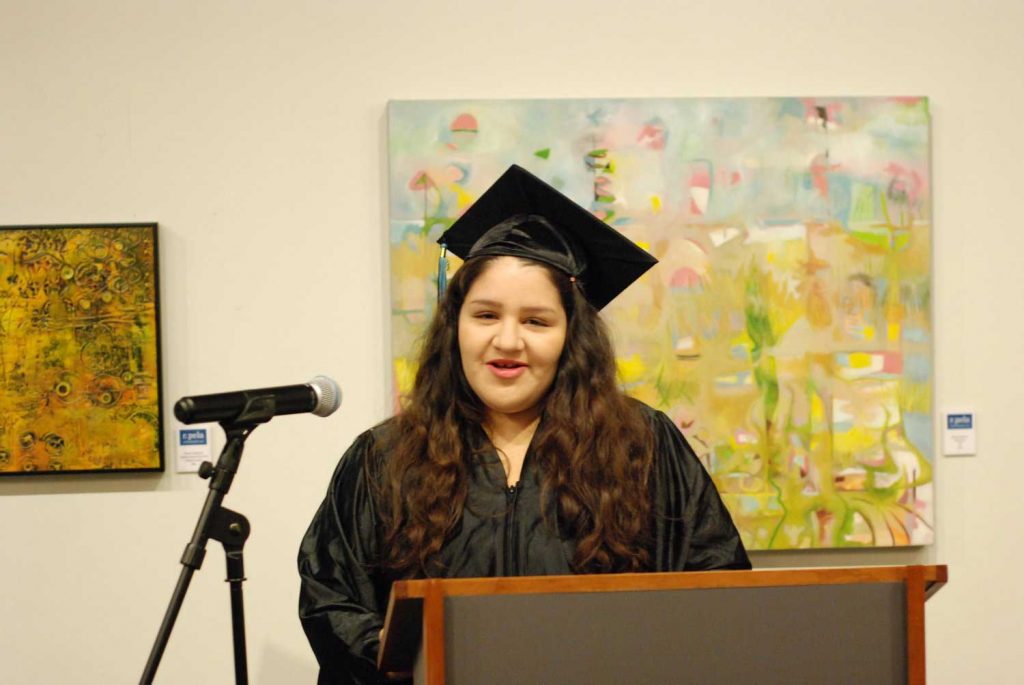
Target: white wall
[(253, 132)]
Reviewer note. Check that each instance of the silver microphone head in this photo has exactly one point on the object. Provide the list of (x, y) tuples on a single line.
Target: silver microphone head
[(328, 395)]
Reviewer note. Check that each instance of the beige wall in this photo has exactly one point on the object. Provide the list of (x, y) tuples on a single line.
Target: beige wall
[(254, 133)]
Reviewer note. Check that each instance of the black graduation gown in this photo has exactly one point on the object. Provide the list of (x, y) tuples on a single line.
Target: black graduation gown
[(344, 596)]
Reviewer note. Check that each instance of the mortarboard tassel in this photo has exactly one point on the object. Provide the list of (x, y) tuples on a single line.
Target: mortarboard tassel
[(442, 272)]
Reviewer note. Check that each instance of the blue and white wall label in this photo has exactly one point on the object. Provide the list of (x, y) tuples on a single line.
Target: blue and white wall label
[(193, 448), (958, 434)]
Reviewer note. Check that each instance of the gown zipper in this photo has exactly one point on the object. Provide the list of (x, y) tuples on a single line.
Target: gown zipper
[(511, 495)]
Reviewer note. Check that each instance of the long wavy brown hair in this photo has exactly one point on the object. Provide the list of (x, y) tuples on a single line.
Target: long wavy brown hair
[(592, 448)]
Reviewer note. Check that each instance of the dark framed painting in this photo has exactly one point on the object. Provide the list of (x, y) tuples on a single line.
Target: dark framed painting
[(80, 387)]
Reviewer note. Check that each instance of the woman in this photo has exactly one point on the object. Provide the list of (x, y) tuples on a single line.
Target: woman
[(516, 453)]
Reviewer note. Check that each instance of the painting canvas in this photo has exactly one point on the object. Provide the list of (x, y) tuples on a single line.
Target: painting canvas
[(79, 349), (787, 328)]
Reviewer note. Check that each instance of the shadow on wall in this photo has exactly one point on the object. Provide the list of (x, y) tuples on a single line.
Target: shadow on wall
[(879, 556), (274, 665), (79, 483)]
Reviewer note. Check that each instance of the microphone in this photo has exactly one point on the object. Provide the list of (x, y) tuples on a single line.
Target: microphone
[(321, 396)]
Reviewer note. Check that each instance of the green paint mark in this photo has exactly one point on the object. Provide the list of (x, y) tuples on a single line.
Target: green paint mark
[(873, 238), (543, 154), (862, 204)]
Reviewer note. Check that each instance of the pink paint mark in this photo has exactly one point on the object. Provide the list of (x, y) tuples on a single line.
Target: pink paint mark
[(455, 174), (906, 100), (822, 115), (892, 362), (602, 187), (700, 248), (907, 182), (820, 169), (465, 122), (700, 188), (652, 135), (421, 181), (728, 178), (685, 277)]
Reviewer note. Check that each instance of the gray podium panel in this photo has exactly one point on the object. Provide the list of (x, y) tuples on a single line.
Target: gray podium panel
[(837, 634)]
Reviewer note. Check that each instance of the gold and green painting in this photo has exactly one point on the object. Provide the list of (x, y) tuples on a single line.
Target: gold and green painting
[(79, 349), (787, 328)]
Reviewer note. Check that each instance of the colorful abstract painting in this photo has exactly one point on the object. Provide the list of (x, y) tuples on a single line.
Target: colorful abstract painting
[(787, 328), (79, 349)]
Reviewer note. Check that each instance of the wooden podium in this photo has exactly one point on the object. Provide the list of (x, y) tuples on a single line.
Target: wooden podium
[(842, 625)]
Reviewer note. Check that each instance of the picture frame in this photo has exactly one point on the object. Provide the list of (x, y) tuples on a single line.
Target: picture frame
[(787, 328), (80, 359)]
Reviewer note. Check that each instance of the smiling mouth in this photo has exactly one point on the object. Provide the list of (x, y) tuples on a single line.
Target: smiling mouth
[(506, 368), (505, 364)]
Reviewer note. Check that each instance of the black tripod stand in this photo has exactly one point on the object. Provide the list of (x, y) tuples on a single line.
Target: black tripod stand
[(229, 528)]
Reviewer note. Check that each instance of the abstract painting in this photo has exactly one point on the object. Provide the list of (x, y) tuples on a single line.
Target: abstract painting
[(79, 349), (787, 328)]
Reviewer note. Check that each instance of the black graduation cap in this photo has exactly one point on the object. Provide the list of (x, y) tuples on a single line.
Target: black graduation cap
[(522, 216)]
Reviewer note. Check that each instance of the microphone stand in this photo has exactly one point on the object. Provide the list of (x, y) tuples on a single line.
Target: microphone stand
[(229, 528)]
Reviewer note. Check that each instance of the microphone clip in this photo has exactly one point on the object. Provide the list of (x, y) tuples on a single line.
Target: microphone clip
[(258, 409)]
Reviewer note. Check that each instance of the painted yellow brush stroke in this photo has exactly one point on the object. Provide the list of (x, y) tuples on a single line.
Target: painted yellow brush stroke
[(631, 369), (860, 360), (405, 374)]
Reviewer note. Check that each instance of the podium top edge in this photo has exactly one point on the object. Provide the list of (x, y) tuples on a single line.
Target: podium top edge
[(934, 576)]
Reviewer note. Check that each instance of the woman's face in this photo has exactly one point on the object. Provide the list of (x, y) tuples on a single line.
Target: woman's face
[(511, 334)]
